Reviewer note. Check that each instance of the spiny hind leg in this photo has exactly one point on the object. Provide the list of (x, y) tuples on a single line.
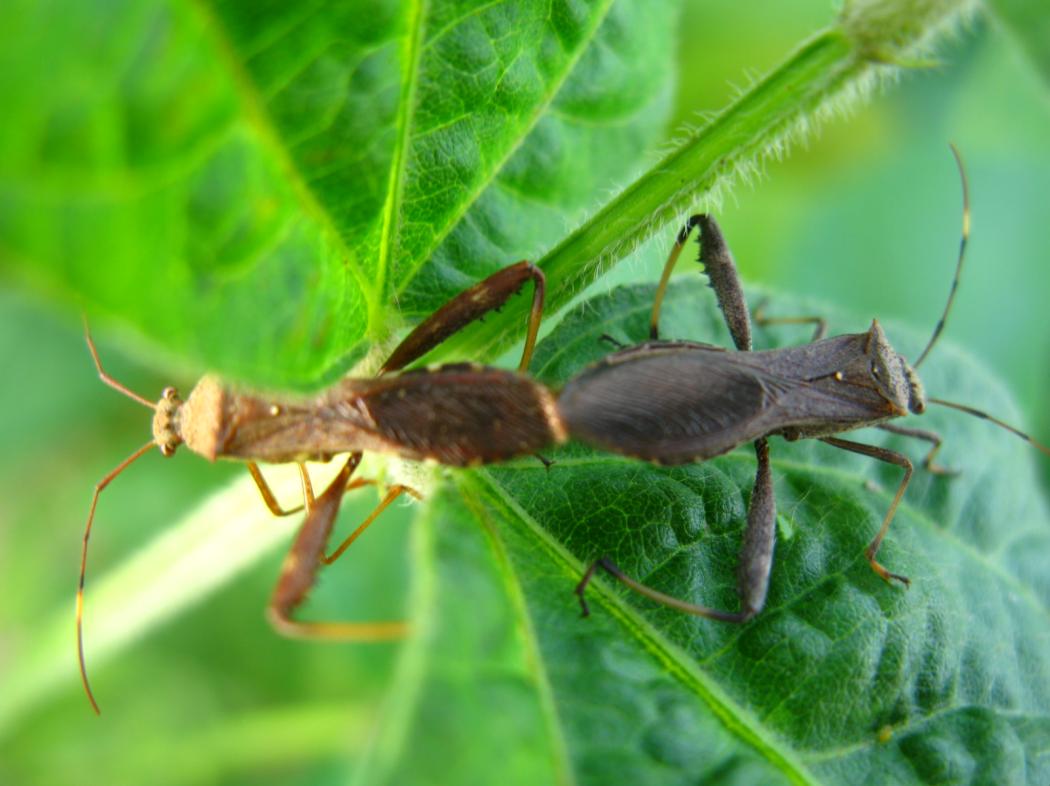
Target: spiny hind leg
[(756, 557), (756, 554), (721, 272), (299, 573), (470, 305)]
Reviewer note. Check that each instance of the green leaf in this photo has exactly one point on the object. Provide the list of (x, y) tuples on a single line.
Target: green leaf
[(174, 148), (841, 679), (256, 188), (828, 73), (1030, 25), (259, 191)]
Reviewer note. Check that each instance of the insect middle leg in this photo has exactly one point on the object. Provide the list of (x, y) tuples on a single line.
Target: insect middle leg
[(392, 494), (756, 557), (820, 325), (299, 571), (891, 457), (927, 436)]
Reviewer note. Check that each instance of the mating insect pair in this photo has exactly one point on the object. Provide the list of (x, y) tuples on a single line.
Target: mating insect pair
[(671, 402)]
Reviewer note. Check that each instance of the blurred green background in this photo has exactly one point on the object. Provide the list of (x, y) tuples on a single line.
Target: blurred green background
[(865, 215)]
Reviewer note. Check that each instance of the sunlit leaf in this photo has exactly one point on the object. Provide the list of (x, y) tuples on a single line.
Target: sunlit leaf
[(1030, 25), (258, 189)]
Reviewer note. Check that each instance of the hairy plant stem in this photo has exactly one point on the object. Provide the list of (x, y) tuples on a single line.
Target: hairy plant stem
[(829, 72)]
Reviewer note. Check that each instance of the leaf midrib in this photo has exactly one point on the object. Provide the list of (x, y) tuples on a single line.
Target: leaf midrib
[(533, 655), (733, 717), (405, 114), (538, 111), (981, 558), (267, 133)]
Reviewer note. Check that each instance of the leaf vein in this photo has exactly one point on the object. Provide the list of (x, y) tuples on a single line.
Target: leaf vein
[(678, 663), (541, 106), (534, 660), (259, 118), (392, 205)]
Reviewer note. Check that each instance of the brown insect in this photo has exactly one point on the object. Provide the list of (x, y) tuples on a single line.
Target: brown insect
[(459, 415)]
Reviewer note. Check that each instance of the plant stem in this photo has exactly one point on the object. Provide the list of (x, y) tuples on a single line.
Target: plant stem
[(831, 70)]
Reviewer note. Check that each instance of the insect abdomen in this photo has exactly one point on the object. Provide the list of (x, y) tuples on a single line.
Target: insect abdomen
[(669, 407), (463, 415)]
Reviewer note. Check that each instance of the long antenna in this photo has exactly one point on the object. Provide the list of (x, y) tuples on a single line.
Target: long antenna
[(985, 416), (107, 378), (962, 255), (83, 567), (94, 502)]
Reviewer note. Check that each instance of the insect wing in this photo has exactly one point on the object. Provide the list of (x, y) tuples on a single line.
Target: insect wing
[(462, 415), (671, 407)]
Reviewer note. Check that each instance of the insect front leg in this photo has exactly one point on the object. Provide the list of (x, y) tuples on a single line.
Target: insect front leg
[(820, 325), (927, 436), (470, 305), (299, 572), (756, 557), (890, 457)]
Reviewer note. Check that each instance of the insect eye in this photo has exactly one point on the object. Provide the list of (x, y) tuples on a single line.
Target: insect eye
[(874, 371)]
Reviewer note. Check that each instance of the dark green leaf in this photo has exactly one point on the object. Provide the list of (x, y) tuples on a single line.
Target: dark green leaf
[(842, 678)]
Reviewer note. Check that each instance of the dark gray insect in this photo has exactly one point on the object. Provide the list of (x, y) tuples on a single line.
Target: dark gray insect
[(675, 402)]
